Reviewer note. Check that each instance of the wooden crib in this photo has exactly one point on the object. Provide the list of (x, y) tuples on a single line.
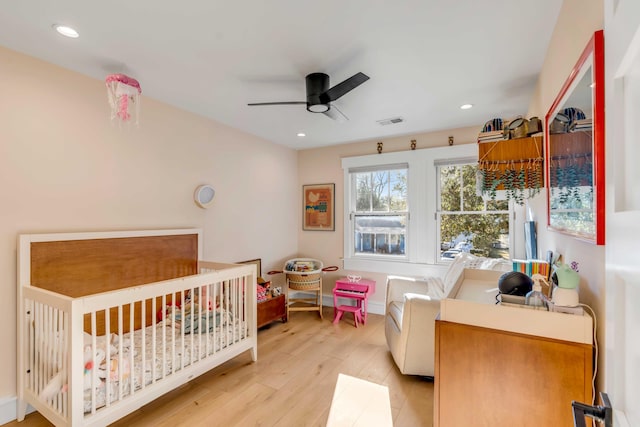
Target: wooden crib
[(109, 321)]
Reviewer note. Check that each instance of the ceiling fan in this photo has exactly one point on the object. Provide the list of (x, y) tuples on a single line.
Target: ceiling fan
[(320, 95)]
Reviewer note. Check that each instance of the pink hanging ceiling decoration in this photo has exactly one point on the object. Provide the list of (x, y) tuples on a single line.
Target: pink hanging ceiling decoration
[(124, 97)]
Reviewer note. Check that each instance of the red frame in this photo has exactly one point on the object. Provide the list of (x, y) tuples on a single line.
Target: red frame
[(595, 47)]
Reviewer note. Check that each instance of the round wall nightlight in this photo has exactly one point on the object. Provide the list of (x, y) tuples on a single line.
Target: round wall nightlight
[(204, 195)]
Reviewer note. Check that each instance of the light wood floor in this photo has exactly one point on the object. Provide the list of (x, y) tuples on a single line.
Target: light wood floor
[(292, 382)]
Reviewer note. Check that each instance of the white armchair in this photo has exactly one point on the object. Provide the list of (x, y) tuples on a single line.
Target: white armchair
[(411, 309)]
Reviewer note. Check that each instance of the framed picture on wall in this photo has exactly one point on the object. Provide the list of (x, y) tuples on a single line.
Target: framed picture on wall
[(318, 203), (257, 262)]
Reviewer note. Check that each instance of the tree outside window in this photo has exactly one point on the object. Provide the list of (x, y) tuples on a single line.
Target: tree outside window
[(467, 222)]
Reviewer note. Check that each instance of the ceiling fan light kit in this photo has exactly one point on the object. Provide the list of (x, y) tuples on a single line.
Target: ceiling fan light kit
[(317, 108), (320, 95), (317, 85)]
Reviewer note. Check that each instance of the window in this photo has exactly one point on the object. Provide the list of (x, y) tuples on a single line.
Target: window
[(404, 210), (466, 221), (380, 210)]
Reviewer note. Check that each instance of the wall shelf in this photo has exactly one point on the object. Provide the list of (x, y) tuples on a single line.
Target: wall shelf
[(504, 158)]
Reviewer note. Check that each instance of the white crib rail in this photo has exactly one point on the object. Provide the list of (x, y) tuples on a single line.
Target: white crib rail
[(45, 359), (222, 325)]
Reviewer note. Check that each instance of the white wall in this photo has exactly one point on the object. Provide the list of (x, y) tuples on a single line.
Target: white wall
[(65, 167), (577, 22), (323, 165)]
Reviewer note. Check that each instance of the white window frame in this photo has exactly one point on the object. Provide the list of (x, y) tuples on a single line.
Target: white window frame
[(353, 213), (421, 244)]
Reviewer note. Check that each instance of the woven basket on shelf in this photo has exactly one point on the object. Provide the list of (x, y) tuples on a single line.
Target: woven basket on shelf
[(299, 281), (306, 279)]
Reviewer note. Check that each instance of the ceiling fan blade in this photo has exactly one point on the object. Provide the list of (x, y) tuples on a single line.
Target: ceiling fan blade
[(335, 114), (341, 88), (278, 103)]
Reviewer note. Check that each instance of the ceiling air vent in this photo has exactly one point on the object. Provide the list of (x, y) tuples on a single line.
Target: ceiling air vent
[(392, 121)]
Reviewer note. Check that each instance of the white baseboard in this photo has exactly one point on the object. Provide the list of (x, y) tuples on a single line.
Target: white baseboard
[(374, 307), (9, 409)]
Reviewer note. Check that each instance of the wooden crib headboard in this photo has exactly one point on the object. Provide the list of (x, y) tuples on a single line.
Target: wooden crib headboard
[(81, 264), (90, 263)]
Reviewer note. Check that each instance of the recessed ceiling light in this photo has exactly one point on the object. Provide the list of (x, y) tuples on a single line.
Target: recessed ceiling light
[(66, 31), (466, 106), (302, 134)]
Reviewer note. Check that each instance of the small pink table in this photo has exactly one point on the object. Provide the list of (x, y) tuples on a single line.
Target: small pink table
[(358, 291)]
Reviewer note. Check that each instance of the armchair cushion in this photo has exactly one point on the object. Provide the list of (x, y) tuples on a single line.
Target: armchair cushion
[(395, 313), (454, 271), (398, 286)]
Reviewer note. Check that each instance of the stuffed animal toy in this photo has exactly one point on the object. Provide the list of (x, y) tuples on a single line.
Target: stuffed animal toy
[(92, 362)]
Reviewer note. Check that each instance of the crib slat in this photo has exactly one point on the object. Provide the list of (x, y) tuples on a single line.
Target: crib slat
[(36, 348), (49, 344), (191, 320), (107, 350), (217, 310), (201, 310), (228, 308), (247, 295), (143, 342), (132, 367), (120, 366), (231, 308), (61, 345), (164, 337), (46, 353), (39, 368), (154, 343), (32, 346), (239, 310), (182, 326), (172, 320), (66, 357), (94, 369), (55, 355), (212, 326), (235, 307)]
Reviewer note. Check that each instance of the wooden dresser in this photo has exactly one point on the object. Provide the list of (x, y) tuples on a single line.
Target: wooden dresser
[(508, 366)]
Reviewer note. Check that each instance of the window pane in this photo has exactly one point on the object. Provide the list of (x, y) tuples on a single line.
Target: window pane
[(450, 188), (375, 234), (398, 188), (480, 234), (363, 192), (380, 196), (464, 224), (381, 191), (471, 201)]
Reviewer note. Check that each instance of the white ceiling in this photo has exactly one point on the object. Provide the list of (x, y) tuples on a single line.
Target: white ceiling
[(425, 58)]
